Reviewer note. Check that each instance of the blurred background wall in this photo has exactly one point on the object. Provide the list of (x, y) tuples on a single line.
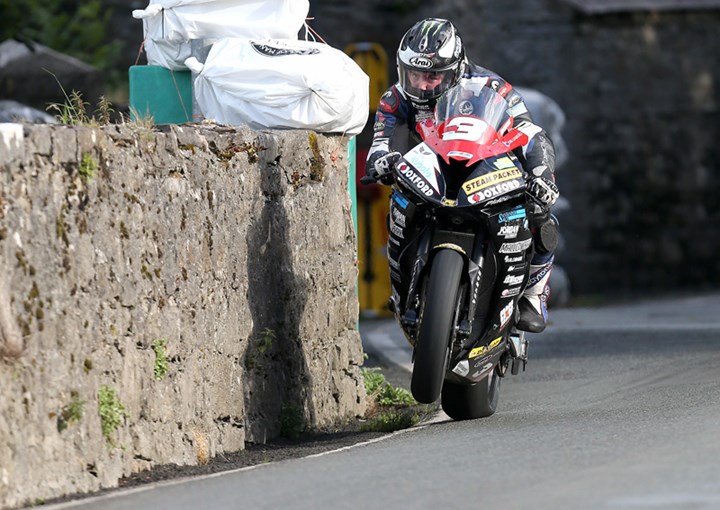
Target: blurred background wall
[(638, 81)]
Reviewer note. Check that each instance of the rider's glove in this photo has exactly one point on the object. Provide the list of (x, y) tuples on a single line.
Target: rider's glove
[(543, 191), (384, 167)]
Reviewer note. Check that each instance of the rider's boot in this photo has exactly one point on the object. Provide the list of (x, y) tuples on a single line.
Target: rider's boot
[(532, 304)]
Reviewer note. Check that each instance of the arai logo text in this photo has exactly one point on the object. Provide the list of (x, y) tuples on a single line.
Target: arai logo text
[(421, 62)]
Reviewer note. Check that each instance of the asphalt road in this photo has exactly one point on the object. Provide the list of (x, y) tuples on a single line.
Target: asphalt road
[(619, 409)]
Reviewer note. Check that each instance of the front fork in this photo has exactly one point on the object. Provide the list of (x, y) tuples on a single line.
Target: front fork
[(464, 324)]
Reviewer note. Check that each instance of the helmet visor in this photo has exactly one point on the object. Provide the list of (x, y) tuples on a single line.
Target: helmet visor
[(424, 85)]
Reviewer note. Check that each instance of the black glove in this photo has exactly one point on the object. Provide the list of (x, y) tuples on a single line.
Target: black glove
[(543, 191), (383, 167)]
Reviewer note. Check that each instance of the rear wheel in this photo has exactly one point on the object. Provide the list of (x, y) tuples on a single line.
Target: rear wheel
[(465, 402), (436, 326)]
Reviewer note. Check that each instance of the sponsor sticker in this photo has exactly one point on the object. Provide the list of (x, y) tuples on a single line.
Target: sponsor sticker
[(479, 351), (506, 313), (509, 231), (400, 200), (416, 179), (513, 280), (396, 231), (491, 179), (425, 163), (462, 368), (398, 217), (510, 292), (504, 163), (514, 214), (515, 247), (466, 108), (494, 191)]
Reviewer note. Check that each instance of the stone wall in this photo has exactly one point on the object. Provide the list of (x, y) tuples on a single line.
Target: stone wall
[(640, 93), (166, 296)]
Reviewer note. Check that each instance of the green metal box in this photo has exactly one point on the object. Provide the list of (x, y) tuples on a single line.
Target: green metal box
[(164, 94)]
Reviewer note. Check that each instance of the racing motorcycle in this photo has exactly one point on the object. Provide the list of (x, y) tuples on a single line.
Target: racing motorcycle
[(459, 250)]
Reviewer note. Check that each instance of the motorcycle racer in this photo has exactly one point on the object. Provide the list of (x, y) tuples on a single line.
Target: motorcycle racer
[(430, 60)]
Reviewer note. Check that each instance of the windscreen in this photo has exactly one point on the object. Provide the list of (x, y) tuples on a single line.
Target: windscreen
[(471, 111)]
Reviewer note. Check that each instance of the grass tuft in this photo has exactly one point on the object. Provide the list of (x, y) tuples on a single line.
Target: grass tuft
[(160, 369), (390, 421), (112, 412), (390, 408), (382, 392)]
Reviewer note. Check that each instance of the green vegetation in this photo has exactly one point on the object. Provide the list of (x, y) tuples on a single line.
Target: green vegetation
[(77, 28), (390, 421), (266, 340), (292, 421), (382, 392), (263, 345), (71, 412), (390, 408), (74, 111), (159, 346), (88, 166), (112, 412), (145, 121)]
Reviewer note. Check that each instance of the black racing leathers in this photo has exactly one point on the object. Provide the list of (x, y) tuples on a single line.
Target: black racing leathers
[(397, 115)]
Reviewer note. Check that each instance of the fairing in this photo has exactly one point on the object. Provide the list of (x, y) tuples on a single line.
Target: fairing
[(466, 156)]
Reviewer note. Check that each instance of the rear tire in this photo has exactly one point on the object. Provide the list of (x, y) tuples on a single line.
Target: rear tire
[(465, 402), (436, 326)]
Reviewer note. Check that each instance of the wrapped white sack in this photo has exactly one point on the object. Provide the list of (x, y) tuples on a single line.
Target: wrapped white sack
[(170, 25), (282, 84)]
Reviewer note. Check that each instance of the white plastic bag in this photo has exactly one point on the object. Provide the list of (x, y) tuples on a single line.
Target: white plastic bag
[(282, 84), (169, 25)]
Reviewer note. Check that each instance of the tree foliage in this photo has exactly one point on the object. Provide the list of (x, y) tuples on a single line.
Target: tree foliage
[(76, 28)]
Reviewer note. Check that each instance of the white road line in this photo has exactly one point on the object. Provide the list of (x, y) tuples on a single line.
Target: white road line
[(119, 493)]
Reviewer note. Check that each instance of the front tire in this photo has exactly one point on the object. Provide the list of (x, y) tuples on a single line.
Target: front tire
[(468, 402), (436, 326)]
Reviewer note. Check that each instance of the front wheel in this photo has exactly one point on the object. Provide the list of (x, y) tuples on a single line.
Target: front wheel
[(465, 402), (436, 326)]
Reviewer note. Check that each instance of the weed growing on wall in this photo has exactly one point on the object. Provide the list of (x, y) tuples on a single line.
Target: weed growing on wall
[(263, 345), (142, 120), (73, 112), (292, 421), (71, 412), (88, 166), (160, 369), (266, 340), (112, 412)]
